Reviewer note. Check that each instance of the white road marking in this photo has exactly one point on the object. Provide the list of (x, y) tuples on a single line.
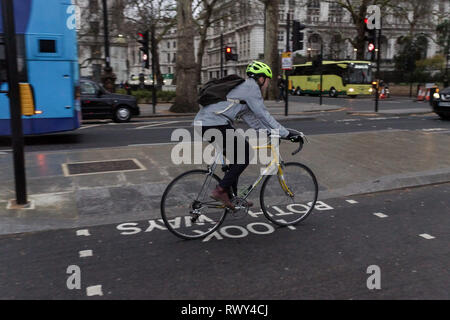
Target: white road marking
[(86, 253), (90, 126), (94, 291), (374, 119), (3, 153), (156, 125), (84, 232), (352, 201), (152, 144), (380, 215), (435, 129), (348, 120), (426, 236)]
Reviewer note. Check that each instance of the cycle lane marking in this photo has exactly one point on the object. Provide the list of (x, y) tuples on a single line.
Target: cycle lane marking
[(258, 228)]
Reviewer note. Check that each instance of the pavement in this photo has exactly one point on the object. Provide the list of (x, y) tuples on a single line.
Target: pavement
[(301, 110), (345, 164), (297, 110)]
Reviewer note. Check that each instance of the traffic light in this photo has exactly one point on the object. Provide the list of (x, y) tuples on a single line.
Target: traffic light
[(298, 36), (371, 38), (144, 39), (229, 55)]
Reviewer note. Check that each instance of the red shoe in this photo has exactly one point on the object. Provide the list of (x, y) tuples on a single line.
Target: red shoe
[(220, 194)]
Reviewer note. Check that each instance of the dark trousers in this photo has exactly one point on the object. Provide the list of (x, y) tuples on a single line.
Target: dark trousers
[(231, 179)]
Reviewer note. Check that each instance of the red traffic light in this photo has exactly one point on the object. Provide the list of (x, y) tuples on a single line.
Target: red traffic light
[(366, 20), (228, 50), (140, 35), (371, 47)]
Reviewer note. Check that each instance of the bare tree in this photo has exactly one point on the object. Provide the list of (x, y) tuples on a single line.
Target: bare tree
[(211, 12), (358, 12), (414, 13), (186, 93), (157, 16), (271, 55)]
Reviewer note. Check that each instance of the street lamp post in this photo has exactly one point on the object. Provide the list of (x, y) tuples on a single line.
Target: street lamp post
[(14, 102), (106, 32), (321, 70)]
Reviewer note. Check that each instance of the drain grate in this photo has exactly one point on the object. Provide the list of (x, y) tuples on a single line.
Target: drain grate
[(97, 167)]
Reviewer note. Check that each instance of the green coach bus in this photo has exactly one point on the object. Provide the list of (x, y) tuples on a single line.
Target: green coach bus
[(348, 78)]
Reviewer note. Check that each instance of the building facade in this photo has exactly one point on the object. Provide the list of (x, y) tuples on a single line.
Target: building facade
[(242, 28)]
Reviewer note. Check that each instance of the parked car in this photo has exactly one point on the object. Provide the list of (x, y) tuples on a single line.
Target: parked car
[(441, 103), (98, 103)]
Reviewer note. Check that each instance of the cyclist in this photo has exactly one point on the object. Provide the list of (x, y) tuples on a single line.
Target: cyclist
[(221, 116)]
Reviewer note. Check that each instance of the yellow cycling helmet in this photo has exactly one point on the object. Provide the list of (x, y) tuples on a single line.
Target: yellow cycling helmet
[(257, 68)]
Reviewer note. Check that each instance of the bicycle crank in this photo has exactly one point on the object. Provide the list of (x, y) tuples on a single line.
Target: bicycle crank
[(241, 208)]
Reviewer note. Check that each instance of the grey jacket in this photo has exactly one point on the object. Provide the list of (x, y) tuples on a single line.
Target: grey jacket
[(254, 113)]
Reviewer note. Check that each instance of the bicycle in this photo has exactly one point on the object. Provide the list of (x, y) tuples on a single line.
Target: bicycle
[(189, 213)]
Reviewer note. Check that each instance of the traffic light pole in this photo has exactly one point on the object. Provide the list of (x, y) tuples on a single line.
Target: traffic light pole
[(221, 55), (153, 44), (321, 70), (286, 72), (14, 102), (377, 97), (106, 32)]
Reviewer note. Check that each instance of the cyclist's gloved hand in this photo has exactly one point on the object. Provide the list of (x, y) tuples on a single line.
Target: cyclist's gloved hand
[(294, 137)]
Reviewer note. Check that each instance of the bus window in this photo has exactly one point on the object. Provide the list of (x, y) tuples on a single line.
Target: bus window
[(21, 64), (3, 76), (360, 74), (47, 46)]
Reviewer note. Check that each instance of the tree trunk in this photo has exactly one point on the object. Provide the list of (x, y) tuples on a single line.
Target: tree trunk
[(200, 53), (271, 55), (159, 76), (186, 93)]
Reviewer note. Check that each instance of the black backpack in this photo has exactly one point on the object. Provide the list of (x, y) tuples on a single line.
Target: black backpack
[(216, 90)]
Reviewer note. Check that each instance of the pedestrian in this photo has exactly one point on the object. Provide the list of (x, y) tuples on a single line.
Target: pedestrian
[(128, 88), (281, 89)]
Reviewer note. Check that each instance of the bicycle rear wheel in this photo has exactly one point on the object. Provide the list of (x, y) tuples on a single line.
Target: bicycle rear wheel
[(186, 208), (289, 204)]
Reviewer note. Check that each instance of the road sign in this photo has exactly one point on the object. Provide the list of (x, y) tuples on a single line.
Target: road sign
[(286, 61)]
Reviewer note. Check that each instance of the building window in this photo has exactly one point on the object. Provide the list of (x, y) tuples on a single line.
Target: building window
[(335, 13), (313, 11)]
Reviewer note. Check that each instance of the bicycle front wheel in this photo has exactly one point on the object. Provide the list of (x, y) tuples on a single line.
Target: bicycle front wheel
[(290, 196), (186, 207)]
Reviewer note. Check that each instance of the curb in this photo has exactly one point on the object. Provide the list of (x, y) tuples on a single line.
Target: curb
[(372, 113)]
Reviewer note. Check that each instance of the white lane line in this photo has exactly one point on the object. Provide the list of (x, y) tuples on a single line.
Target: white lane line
[(380, 215), (84, 233), (435, 129), (153, 144), (157, 125), (162, 128), (94, 291), (90, 126), (86, 253), (385, 118), (3, 153), (426, 236), (352, 201), (348, 120)]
